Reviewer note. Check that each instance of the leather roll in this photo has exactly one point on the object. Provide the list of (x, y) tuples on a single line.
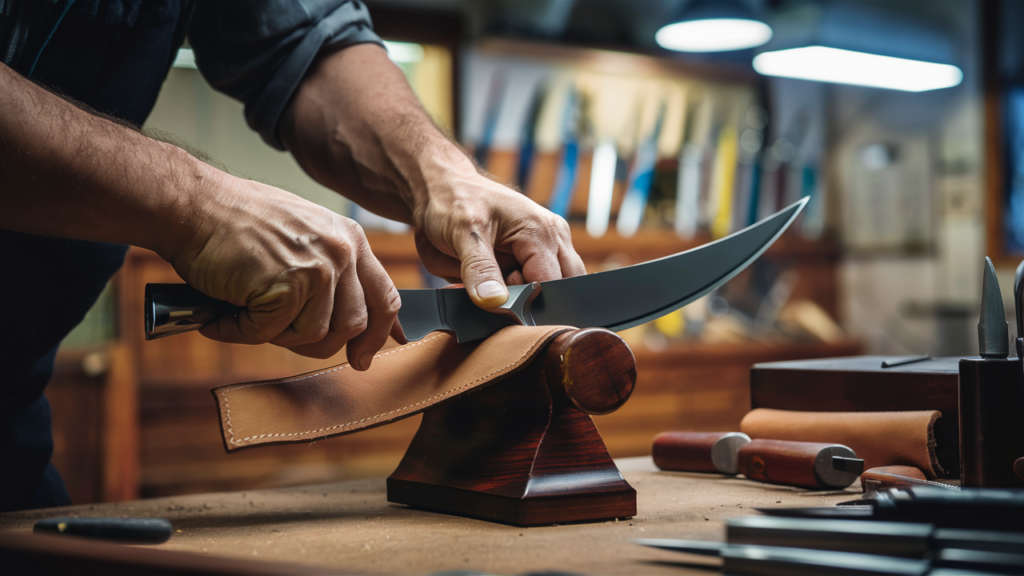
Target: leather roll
[(880, 438), (401, 382)]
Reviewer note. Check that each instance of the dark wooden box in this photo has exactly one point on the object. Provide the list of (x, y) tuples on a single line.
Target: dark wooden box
[(860, 384)]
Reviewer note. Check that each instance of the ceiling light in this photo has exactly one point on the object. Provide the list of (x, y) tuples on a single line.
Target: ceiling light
[(713, 35), (824, 64), (714, 26)]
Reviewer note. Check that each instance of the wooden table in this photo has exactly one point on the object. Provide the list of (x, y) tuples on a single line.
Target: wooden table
[(349, 527)]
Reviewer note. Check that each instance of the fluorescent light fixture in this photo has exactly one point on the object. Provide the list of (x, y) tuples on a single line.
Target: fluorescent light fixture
[(824, 64), (404, 52), (713, 35), (185, 59)]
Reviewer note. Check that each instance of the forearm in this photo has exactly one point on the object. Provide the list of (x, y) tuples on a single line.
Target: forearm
[(356, 126), (68, 173)]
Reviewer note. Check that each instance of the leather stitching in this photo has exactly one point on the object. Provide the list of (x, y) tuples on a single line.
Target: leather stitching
[(249, 439), (227, 407)]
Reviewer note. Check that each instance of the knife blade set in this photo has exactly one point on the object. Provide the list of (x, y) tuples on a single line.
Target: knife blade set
[(758, 545)]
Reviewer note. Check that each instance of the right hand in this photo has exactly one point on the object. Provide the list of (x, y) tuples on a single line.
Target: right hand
[(305, 275)]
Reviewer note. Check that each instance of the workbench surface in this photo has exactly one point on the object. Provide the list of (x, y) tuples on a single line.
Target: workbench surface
[(350, 527)]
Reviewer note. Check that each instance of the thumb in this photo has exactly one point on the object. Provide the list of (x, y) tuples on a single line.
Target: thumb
[(480, 273)]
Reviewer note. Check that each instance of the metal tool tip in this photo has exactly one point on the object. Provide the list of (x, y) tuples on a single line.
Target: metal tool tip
[(852, 465), (1017, 277), (993, 331)]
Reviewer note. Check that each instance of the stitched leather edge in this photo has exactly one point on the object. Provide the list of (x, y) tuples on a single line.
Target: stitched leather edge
[(232, 445)]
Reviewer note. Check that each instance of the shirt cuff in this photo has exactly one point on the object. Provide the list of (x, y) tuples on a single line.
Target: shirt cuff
[(346, 26)]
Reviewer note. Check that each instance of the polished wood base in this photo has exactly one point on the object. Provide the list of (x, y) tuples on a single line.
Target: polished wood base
[(520, 451), (527, 511)]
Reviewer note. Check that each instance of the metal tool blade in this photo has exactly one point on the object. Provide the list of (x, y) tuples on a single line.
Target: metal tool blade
[(616, 299), (698, 547), (993, 331), (865, 511), (629, 296)]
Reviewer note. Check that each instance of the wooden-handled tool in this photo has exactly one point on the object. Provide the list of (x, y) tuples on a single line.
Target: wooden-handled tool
[(698, 451), (805, 464)]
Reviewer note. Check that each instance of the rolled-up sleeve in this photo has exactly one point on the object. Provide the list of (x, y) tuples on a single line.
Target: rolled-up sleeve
[(259, 51)]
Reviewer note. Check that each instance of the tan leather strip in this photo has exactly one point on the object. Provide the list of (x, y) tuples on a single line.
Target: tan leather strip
[(880, 438), (401, 382)]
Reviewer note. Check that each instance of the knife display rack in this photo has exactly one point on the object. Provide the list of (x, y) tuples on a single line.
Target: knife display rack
[(524, 451)]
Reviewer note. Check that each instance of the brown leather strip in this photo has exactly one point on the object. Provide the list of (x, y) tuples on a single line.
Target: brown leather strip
[(880, 438), (401, 382)]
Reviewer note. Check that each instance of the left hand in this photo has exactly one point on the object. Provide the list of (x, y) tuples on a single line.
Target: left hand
[(478, 232)]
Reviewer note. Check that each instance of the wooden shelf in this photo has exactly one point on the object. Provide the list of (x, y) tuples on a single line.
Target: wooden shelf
[(699, 354)]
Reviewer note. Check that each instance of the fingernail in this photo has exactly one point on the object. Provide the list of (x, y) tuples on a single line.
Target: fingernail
[(365, 359), (491, 290)]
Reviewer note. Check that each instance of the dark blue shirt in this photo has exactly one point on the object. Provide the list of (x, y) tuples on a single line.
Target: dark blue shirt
[(113, 56)]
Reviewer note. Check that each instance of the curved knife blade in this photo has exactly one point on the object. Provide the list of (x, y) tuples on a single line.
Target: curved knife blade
[(616, 299)]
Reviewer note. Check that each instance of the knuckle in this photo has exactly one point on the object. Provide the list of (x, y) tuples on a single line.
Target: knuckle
[(562, 225), (355, 324), (392, 301), (319, 332)]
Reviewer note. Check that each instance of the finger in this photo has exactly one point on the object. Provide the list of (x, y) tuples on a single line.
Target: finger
[(507, 262), (436, 262), (264, 317), (480, 271), (539, 260), (314, 320), (515, 278), (572, 264), (382, 304), (548, 256), (348, 318)]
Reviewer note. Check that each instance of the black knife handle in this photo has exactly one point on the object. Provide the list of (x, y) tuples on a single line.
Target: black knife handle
[(133, 530), (175, 308)]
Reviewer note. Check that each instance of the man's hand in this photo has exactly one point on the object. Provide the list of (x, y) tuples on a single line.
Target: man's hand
[(485, 235), (356, 127), (305, 275)]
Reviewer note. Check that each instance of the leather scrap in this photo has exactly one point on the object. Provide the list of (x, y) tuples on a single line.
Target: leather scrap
[(401, 382), (880, 438)]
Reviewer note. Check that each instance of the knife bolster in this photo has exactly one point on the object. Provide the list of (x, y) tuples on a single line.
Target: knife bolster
[(524, 451)]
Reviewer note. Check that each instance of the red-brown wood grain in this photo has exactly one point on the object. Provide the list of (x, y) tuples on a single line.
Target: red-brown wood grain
[(516, 453), (685, 451), (780, 462), (593, 369)]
